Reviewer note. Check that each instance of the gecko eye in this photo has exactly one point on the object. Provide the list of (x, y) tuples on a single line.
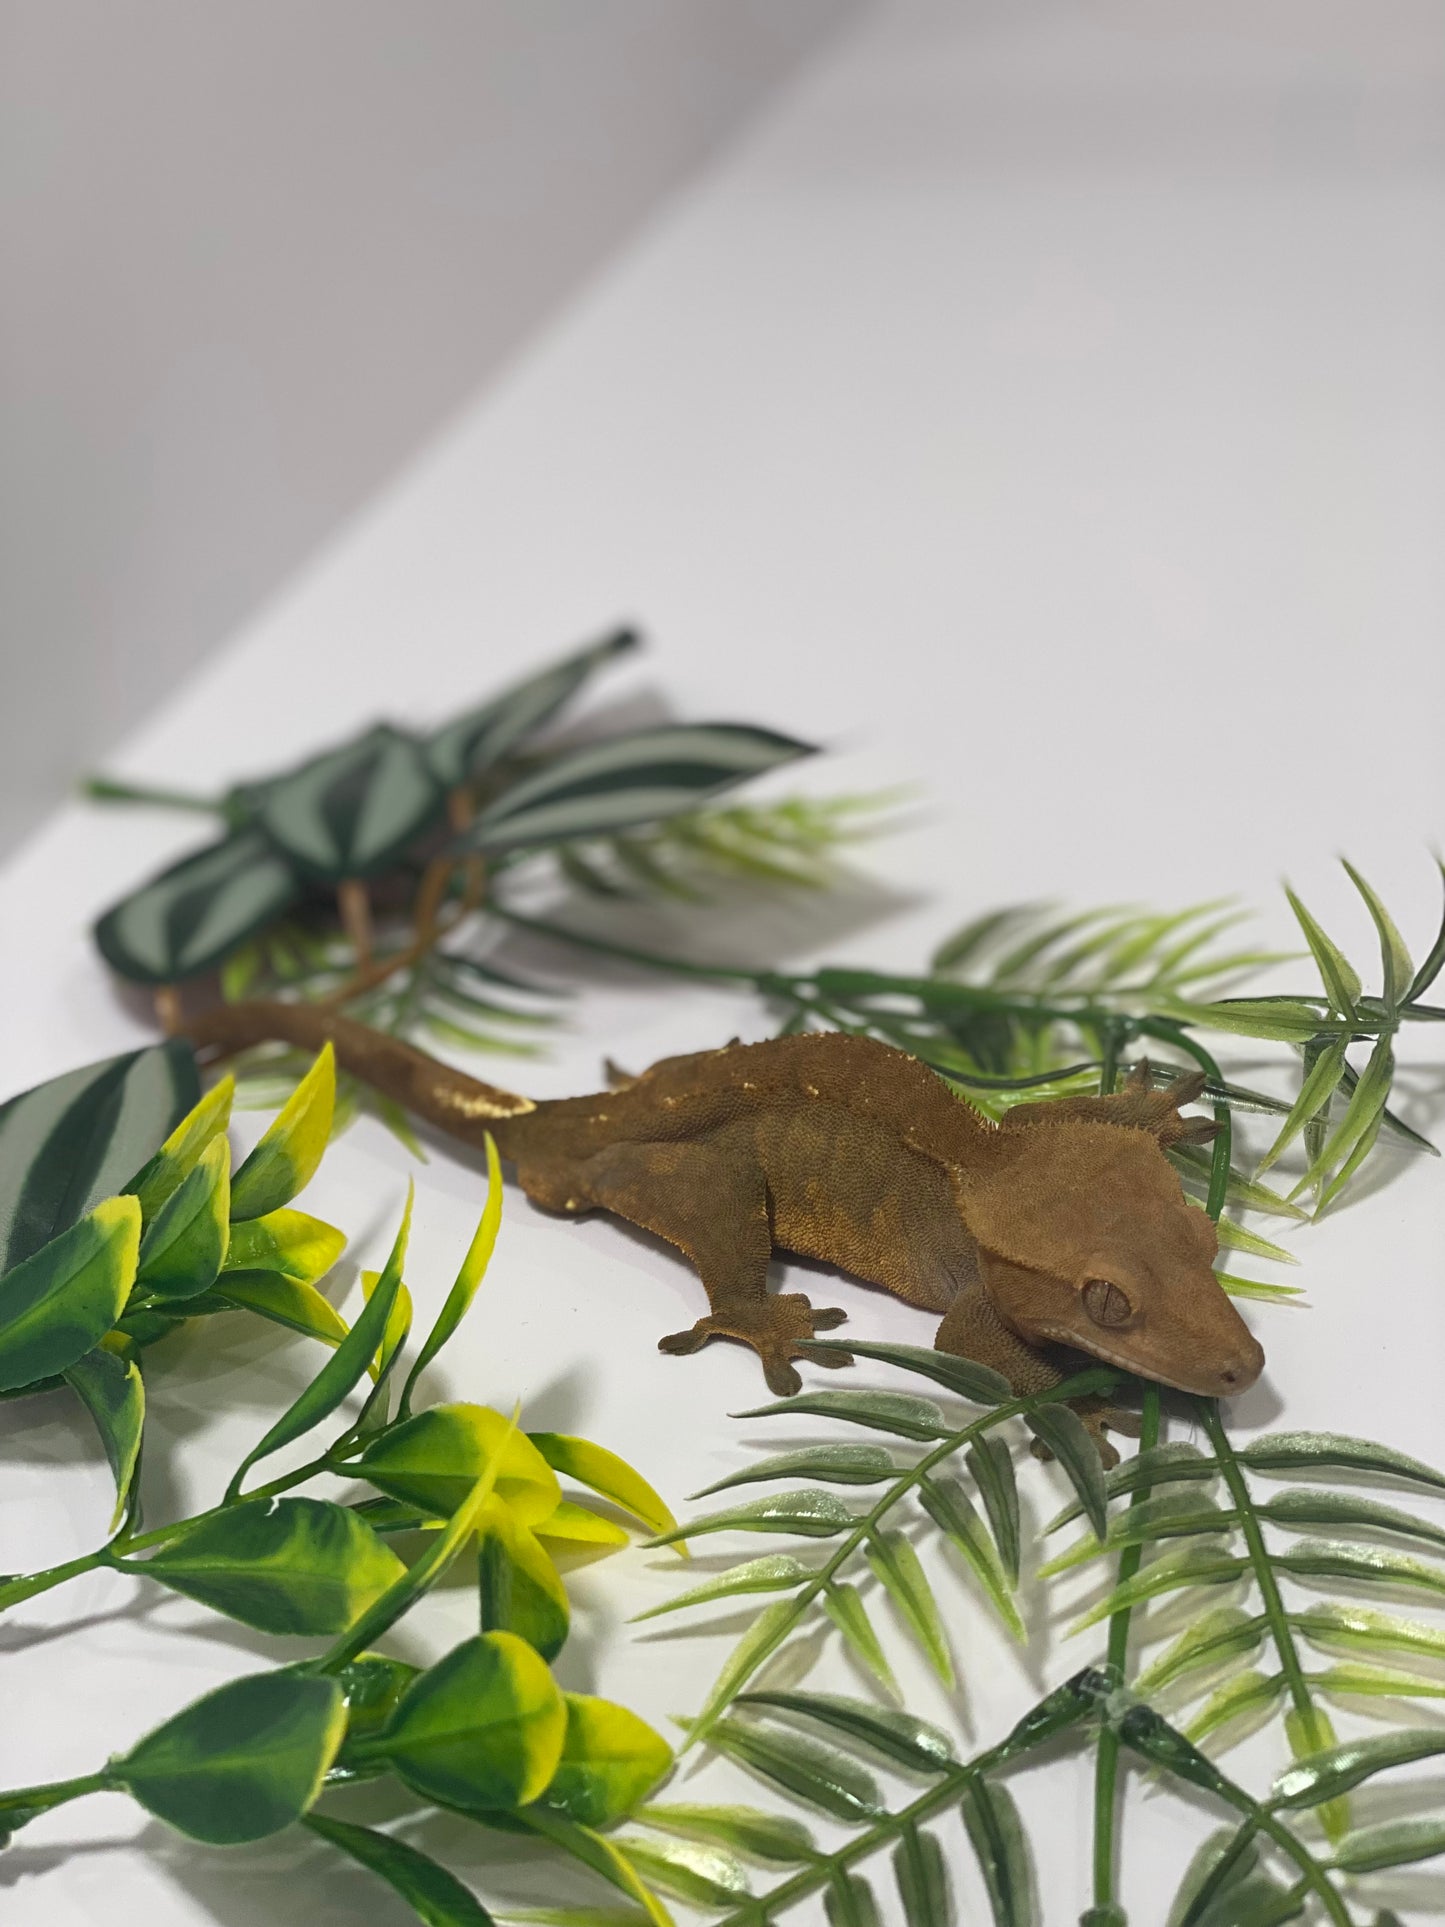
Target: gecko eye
[(1105, 1303)]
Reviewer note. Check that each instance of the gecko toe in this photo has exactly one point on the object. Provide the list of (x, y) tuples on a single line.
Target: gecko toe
[(677, 1344), (829, 1318), (835, 1361), (783, 1381)]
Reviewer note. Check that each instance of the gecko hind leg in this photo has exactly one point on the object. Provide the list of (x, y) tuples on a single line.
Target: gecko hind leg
[(713, 1206)]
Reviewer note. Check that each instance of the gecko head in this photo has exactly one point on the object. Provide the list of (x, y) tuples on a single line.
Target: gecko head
[(1086, 1240)]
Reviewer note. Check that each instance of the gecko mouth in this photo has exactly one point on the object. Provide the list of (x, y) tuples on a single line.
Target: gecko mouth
[(1224, 1382)]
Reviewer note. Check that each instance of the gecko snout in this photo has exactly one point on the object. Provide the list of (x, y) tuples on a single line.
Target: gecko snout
[(1238, 1373)]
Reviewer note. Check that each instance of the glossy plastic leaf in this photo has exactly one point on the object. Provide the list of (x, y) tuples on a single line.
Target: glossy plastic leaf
[(1249, 1696), (897, 1567), (352, 811), (185, 1243), (435, 1459), (285, 1160), (570, 1524), (373, 1686), (297, 1566), (189, 918), (1339, 1769), (482, 1728), (1334, 1452), (435, 1896), (465, 748), (900, 1413), (291, 1243), (949, 1507), (345, 1367), (898, 1737), (759, 1836), (1192, 1566), (1398, 1843), (843, 1604), (705, 1876), (628, 780), (1315, 1093), (1377, 1682), (520, 1589), (1214, 1638), (68, 1144), (605, 1473), (776, 1572), (605, 1858), (1064, 1433), (1214, 1874), (815, 1515), (241, 1763), (1166, 1515), (111, 1389), (464, 1287), (284, 1301), (834, 1464), (1339, 1510), (57, 1305), (1358, 1629), (997, 1836), (1339, 976), (158, 1178), (1395, 964), (1161, 1465), (610, 1761), (922, 1879), (1325, 1559), (961, 1375), (819, 1775), (992, 1466)]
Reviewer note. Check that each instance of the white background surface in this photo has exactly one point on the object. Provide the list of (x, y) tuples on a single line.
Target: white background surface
[(1046, 409)]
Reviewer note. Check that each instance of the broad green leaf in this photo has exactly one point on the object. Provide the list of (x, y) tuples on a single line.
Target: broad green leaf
[(844, 1606), (284, 1301), (463, 749), (776, 1572), (997, 1836), (1334, 1452), (189, 918), (351, 811), (897, 1567), (1377, 1682), (373, 1686), (760, 1836), (604, 1473), (815, 1515), (835, 1464), (1167, 1515), (949, 1507), (992, 1466), (922, 1880), (68, 1144), (1328, 1775), (178, 1156), (436, 1897), (1398, 1843), (482, 1728), (571, 1524), (1064, 1433), (57, 1305), (111, 1389), (706, 1876), (464, 1288), (602, 1855), (285, 1160), (898, 1737), (1315, 1093), (1395, 964), (1191, 1566), (819, 1775), (1324, 1559), (1340, 978), (848, 1901), (1337, 1509), (1248, 1696), (1352, 1629), (901, 1413), (291, 1243), (241, 1763), (961, 1375), (610, 1761), (759, 1642), (185, 1243), (628, 780), (298, 1566), (434, 1460), (1215, 1637), (343, 1369), (520, 1589)]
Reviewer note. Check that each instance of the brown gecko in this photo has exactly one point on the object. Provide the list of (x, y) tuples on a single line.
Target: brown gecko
[(1062, 1230)]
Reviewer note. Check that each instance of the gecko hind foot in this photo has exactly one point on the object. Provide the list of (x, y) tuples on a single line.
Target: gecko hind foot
[(1096, 1414), (773, 1328)]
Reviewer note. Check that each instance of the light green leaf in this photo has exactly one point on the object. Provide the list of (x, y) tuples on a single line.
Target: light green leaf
[(1237, 1237), (992, 1467), (1324, 1559), (471, 744), (1191, 1566), (482, 1728), (836, 1464), (1398, 1843), (948, 1505), (189, 918), (293, 1566), (706, 1876), (1395, 964), (900, 1738), (1064, 1433), (1166, 1515), (1262, 1293), (284, 1301), (242, 1762), (1202, 1883), (1351, 1629), (178, 1156), (897, 1567), (521, 1590), (58, 1304), (997, 1836), (1336, 1451), (464, 1288), (605, 1473), (1283, 1020), (1315, 1093), (901, 1413), (610, 1761), (815, 1515), (185, 1243), (1160, 1465), (922, 1880), (285, 1160), (1339, 1769), (1362, 1117), (776, 1572), (961, 1375), (110, 1387), (291, 1243), (1377, 1682), (572, 1524), (844, 1606), (1222, 1634), (435, 1459), (601, 1855), (352, 811), (759, 1836), (819, 1775), (1245, 1697), (1310, 1732), (436, 1897), (1339, 976)]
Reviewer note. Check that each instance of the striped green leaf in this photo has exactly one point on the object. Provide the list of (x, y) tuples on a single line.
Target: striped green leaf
[(897, 1567), (922, 1880), (60, 1303), (819, 1775), (178, 1156), (285, 1160), (1337, 1452), (1325, 1559), (482, 1728), (900, 1738), (352, 811), (900, 1413), (628, 780), (67, 1144), (435, 1896), (843, 1603), (758, 1836), (815, 1515), (992, 1466), (834, 1464), (465, 748), (948, 1505), (775, 1572), (189, 918), (185, 1244), (996, 1834), (110, 1387)]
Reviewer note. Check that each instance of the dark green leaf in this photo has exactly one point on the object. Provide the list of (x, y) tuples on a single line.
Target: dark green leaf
[(992, 1466), (350, 812), (997, 1836), (848, 1902), (1222, 1863), (111, 1389), (57, 1305), (465, 748), (897, 1566), (1223, 1634), (436, 1897), (835, 1464), (961, 1375), (922, 1880), (819, 1775), (1064, 1433), (901, 1413), (1300, 1509), (187, 919), (948, 1505), (1160, 1465), (1325, 1776), (899, 1737), (1323, 1559)]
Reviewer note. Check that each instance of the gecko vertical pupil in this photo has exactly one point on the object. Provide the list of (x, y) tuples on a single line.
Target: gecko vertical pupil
[(1105, 1303)]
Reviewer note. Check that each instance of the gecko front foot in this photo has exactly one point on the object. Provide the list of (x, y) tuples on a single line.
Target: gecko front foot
[(773, 1327)]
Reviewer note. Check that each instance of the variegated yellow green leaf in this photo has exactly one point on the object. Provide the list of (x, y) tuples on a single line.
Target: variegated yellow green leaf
[(571, 1525), (186, 1243), (464, 1289), (289, 1242), (483, 1728), (610, 1761), (178, 1156), (57, 1305), (435, 1459), (284, 1301), (286, 1158), (520, 1588), (110, 1386)]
